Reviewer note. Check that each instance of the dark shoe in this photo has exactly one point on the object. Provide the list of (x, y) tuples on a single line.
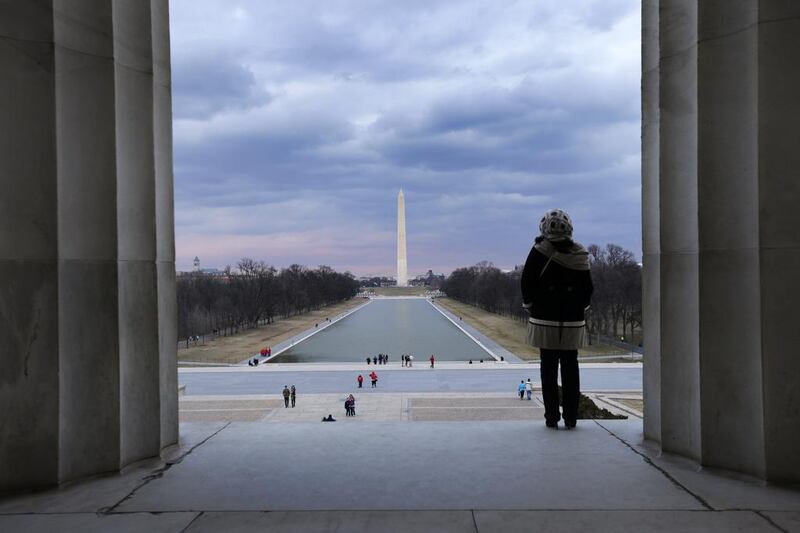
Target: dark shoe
[(551, 425), (571, 424)]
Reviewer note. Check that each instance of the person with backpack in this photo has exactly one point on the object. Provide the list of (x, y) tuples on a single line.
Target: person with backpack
[(557, 288)]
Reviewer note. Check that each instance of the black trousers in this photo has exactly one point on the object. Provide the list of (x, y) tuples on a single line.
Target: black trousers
[(570, 384)]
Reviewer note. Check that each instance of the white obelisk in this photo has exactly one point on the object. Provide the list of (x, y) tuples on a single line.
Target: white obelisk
[(402, 262)]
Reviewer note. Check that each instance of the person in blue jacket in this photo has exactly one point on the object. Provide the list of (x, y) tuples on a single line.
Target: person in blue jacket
[(521, 390)]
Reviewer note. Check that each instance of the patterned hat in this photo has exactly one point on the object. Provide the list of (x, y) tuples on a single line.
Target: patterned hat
[(556, 225)]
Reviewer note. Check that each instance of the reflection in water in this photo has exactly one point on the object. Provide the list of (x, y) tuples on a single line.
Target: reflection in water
[(393, 327)]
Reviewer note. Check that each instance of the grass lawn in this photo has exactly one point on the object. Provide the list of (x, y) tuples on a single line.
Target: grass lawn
[(510, 333), (235, 348)]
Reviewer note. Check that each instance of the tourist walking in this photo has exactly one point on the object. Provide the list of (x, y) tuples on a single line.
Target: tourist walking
[(403, 360), (352, 401), (293, 396), (360, 380), (556, 291), (374, 377), (528, 389), (521, 390), (410, 360), (374, 360), (369, 360), (286, 394), (433, 360)]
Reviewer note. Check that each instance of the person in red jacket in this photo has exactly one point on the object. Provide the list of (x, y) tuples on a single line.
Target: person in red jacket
[(374, 377), (360, 380)]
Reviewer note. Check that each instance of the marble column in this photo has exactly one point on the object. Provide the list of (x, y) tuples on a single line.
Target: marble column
[(87, 238), (140, 390), (651, 234), (779, 232), (28, 248), (728, 108), (679, 350), (87, 304), (165, 223)]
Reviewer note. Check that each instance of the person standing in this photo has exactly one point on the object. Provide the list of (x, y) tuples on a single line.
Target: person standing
[(286, 394), (352, 400), (293, 395), (528, 389), (433, 360), (557, 289), (521, 390), (375, 360), (374, 377), (360, 380), (368, 361), (410, 360)]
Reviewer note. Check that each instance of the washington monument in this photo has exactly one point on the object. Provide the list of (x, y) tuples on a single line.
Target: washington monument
[(402, 262)]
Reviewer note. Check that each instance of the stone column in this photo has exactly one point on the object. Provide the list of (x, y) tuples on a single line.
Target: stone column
[(651, 235), (730, 367), (165, 224), (729, 112), (779, 232), (28, 248), (87, 239), (140, 392), (86, 387), (680, 385)]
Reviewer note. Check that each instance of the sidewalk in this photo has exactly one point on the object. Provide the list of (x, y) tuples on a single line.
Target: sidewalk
[(408, 477)]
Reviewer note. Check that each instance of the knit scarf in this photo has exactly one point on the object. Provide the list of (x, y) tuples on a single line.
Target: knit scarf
[(577, 258)]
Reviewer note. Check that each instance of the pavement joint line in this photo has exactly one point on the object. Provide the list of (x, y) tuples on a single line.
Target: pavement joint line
[(159, 472), (770, 521), (225, 410), (663, 471), (474, 521), (192, 521)]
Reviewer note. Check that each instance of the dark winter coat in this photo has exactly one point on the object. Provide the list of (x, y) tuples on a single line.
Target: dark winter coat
[(556, 291)]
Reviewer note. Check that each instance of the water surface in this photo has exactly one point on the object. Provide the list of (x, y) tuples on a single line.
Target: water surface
[(391, 326)]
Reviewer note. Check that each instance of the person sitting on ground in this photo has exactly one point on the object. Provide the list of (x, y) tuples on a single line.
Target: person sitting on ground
[(250, 362), (328, 418), (557, 289)]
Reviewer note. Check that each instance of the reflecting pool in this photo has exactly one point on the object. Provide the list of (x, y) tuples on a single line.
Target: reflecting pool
[(390, 326)]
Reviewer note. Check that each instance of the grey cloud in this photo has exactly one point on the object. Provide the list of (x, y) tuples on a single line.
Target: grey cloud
[(205, 85)]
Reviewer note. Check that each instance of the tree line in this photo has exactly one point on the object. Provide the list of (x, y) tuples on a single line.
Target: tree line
[(253, 294), (616, 308)]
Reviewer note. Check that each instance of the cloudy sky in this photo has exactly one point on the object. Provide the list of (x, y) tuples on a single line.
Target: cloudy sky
[(296, 123)]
